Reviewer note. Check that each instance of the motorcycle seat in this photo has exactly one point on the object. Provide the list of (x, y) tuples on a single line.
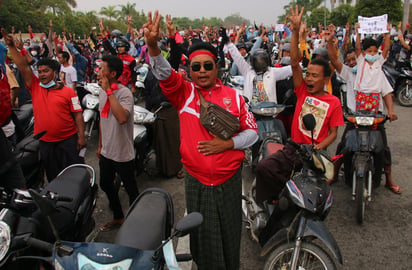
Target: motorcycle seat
[(24, 113), (146, 223), (74, 183), (271, 148)]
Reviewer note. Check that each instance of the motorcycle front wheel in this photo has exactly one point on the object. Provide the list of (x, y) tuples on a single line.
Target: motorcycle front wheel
[(404, 95), (360, 197), (311, 257)]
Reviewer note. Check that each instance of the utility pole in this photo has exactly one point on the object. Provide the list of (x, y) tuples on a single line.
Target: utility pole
[(405, 20)]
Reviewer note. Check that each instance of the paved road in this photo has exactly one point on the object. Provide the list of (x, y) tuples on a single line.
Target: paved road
[(382, 242)]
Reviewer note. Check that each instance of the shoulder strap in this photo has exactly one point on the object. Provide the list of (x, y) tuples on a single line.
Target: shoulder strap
[(203, 101)]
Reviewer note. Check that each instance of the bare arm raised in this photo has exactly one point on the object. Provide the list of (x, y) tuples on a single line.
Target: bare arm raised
[(152, 32), (295, 19)]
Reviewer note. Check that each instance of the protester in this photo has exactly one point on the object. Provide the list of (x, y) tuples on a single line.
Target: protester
[(57, 111), (213, 165), (115, 149)]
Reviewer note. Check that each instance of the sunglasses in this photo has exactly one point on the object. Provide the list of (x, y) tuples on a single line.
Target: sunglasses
[(207, 66)]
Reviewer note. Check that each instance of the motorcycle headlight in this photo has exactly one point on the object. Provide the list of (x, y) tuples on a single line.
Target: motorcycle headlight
[(364, 120), (4, 239)]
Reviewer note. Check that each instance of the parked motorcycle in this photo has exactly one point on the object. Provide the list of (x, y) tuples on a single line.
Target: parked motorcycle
[(143, 241), (90, 104), (144, 152), (401, 82), (27, 154), (72, 196), (286, 229), (26, 119), (362, 145)]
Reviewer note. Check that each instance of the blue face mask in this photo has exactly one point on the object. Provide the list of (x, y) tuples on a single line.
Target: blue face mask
[(372, 58), (354, 69), (48, 85)]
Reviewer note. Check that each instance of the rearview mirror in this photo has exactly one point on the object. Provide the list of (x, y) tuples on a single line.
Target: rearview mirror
[(187, 224), (309, 121)]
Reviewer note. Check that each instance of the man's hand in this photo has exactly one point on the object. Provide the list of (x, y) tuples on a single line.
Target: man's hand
[(104, 83), (8, 39), (331, 33), (152, 29), (392, 116), (295, 18), (81, 142), (215, 146), (170, 27)]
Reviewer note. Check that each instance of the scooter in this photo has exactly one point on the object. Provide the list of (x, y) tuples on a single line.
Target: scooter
[(72, 195), (90, 104), (286, 229), (142, 242), (401, 82), (144, 152), (362, 170)]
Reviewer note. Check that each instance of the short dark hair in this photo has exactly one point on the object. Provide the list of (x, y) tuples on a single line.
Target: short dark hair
[(65, 55), (369, 42), (349, 51), (114, 63), (53, 64), (203, 46), (322, 62)]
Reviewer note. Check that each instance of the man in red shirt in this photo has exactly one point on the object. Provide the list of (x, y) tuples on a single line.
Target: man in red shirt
[(56, 109), (274, 171)]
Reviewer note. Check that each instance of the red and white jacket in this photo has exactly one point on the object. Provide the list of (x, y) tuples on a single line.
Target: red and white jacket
[(214, 169)]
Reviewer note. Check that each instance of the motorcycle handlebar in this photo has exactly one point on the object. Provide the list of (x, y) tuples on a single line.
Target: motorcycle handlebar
[(40, 244), (183, 257)]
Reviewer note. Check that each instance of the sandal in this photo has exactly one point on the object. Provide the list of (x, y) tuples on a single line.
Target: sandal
[(395, 189), (180, 174), (115, 223)]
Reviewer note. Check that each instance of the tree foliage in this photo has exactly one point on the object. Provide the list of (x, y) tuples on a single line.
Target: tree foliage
[(369, 8), (343, 14)]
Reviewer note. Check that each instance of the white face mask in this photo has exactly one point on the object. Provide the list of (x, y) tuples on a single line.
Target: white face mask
[(34, 53)]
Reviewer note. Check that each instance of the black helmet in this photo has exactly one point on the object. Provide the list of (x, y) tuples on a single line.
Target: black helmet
[(249, 45), (123, 43), (116, 33), (322, 52), (260, 60), (241, 45)]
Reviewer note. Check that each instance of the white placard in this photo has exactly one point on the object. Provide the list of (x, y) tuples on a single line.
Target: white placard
[(279, 27), (373, 25)]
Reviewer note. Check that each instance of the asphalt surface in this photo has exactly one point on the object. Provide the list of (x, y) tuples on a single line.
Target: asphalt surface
[(382, 242)]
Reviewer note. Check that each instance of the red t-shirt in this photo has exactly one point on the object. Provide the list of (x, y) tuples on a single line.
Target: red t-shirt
[(5, 101), (326, 109), (53, 110)]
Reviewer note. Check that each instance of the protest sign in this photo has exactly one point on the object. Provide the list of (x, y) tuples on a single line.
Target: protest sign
[(373, 25)]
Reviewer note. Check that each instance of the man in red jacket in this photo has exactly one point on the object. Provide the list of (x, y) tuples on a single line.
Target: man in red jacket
[(213, 179)]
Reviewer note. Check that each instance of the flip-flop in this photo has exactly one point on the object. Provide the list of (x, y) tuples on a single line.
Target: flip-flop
[(395, 189)]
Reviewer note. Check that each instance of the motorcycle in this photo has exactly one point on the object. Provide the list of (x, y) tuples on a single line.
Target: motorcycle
[(142, 242), (72, 195), (286, 229), (90, 104), (362, 170), (27, 153), (401, 82), (25, 117), (142, 141)]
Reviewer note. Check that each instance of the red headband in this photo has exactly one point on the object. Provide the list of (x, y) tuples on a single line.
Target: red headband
[(195, 53)]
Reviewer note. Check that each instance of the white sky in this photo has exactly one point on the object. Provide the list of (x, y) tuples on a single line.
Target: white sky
[(262, 11)]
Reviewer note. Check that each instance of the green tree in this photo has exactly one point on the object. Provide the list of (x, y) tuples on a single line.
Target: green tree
[(370, 8), (318, 16), (235, 19), (309, 5), (343, 14), (110, 12)]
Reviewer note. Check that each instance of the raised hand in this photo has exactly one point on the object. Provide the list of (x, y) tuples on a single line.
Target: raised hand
[(170, 27), (152, 29), (8, 39), (331, 31), (295, 18)]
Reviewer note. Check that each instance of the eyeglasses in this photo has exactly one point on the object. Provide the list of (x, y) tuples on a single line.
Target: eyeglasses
[(206, 65)]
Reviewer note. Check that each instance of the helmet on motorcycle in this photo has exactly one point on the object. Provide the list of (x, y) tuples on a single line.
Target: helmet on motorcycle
[(123, 43), (241, 45), (320, 52), (260, 60)]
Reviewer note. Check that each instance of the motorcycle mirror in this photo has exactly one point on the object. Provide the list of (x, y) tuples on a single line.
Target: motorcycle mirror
[(166, 104), (39, 135), (187, 224), (45, 206), (288, 94), (309, 121)]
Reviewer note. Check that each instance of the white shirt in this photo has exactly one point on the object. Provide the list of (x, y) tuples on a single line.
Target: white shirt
[(70, 75), (373, 79), (349, 77)]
